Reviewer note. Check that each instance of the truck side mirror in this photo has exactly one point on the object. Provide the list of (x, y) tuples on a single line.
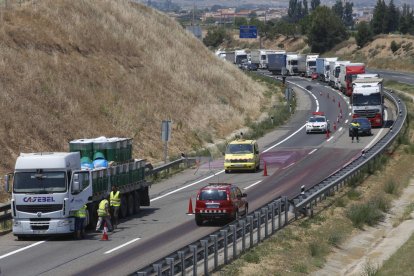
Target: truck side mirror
[(7, 183), (75, 184)]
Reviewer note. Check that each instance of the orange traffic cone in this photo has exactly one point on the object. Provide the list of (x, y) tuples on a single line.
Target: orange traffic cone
[(105, 233), (190, 207), (264, 169)]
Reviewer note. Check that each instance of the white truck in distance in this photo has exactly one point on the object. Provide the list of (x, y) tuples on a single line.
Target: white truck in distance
[(307, 64), (291, 64), (368, 99), (334, 69)]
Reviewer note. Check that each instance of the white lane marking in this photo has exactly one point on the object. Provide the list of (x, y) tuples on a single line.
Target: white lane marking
[(21, 249), (254, 184), (349, 114), (330, 138), (290, 165), (340, 129), (312, 151), (379, 132), (122, 245), (346, 121), (186, 186), (294, 133)]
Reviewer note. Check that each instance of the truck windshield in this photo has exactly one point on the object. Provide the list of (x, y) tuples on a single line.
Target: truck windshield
[(239, 148), (311, 63), (239, 58), (293, 62), (39, 182), (361, 100), (337, 71)]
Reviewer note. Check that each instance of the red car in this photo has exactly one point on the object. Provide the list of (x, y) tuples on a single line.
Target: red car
[(314, 76), (220, 201)]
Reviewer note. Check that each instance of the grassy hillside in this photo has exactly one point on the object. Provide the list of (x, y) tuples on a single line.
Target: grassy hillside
[(78, 69)]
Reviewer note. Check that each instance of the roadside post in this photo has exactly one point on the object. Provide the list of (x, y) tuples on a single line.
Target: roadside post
[(166, 136)]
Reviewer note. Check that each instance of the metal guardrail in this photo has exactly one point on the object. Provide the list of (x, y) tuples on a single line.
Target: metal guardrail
[(230, 241), (205, 251)]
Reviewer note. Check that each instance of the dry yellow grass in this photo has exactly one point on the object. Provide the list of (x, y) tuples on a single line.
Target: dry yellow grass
[(77, 69)]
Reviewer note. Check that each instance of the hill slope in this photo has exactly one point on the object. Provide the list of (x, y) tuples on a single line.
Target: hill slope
[(78, 69)]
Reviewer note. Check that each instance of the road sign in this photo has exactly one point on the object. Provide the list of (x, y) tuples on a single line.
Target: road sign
[(166, 131), (248, 32)]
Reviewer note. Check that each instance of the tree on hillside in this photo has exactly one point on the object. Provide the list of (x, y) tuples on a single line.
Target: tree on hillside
[(393, 16), (347, 16), (240, 21), (364, 34), (326, 30), (338, 9), (377, 22), (406, 22), (305, 10), (315, 4), (295, 10), (215, 37)]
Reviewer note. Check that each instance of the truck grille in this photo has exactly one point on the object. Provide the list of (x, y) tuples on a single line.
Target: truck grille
[(369, 113), (39, 208), (39, 223)]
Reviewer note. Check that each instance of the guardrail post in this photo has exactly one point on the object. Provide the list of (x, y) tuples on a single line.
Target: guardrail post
[(286, 211), (193, 249), (234, 234), (243, 226), (250, 219), (279, 214), (170, 262), (157, 269), (224, 234), (204, 243), (273, 217), (181, 256), (258, 216), (266, 212), (214, 238), (311, 209)]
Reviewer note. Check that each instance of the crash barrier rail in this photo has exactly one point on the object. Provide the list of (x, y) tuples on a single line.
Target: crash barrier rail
[(205, 251), (307, 200), (5, 214), (202, 256)]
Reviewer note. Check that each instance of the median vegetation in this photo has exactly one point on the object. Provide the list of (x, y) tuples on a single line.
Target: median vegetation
[(303, 246)]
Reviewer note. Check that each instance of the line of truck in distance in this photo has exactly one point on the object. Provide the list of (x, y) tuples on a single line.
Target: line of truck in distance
[(365, 90)]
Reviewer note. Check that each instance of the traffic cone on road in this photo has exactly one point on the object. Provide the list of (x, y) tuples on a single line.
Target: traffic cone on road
[(190, 207), (105, 233), (264, 169)]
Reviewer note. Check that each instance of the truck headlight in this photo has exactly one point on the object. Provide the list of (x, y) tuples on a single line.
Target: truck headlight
[(63, 223)]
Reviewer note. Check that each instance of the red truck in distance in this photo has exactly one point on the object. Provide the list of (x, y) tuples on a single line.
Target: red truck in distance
[(347, 75)]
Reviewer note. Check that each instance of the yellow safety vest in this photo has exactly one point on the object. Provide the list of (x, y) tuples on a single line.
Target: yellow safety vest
[(81, 213), (102, 208), (115, 199), (355, 125)]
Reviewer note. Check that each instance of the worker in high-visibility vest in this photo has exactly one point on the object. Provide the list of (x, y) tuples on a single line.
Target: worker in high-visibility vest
[(104, 215), (115, 203), (80, 216), (354, 130)]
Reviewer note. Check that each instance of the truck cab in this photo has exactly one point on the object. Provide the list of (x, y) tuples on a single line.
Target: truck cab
[(41, 197)]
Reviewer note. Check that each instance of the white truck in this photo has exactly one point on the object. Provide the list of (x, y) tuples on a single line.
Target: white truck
[(49, 187), (334, 69), (307, 64), (291, 64), (367, 99), (240, 56), (323, 66)]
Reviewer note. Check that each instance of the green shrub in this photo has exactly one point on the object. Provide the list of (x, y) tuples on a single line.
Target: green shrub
[(394, 46), (391, 187), (353, 194), (366, 213), (335, 238), (317, 248), (252, 257)]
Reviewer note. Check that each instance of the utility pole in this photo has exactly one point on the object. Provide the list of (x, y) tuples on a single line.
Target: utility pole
[(192, 22)]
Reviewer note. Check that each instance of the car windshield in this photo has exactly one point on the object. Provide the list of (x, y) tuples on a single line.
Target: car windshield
[(39, 182), (316, 120), (239, 148), (213, 195)]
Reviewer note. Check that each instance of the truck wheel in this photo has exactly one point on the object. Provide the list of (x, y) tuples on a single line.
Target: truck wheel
[(137, 203), (123, 210), (131, 204)]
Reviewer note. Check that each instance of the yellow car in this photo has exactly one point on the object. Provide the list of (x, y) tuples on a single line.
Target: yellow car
[(242, 155)]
